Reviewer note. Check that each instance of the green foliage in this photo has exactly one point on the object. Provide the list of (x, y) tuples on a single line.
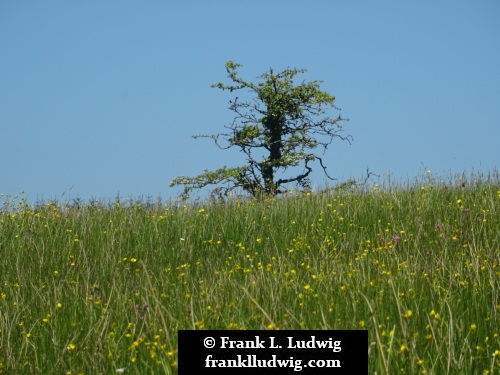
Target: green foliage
[(246, 134), (285, 121), (94, 288)]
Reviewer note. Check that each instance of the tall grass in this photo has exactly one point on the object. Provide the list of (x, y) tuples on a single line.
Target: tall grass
[(93, 288)]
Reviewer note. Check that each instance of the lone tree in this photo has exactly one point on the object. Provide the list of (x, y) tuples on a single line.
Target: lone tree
[(283, 124)]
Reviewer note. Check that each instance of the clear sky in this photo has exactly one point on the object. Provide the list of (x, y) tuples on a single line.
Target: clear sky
[(102, 97)]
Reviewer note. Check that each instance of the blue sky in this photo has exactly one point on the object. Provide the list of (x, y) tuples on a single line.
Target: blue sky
[(102, 97)]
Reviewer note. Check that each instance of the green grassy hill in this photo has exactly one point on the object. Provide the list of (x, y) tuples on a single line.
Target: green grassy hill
[(89, 289)]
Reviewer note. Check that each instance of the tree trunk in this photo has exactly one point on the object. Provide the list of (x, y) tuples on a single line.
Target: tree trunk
[(274, 127)]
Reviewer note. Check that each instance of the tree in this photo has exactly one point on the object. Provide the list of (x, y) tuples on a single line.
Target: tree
[(284, 121)]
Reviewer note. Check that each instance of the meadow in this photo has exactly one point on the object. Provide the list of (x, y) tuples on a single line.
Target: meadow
[(102, 288)]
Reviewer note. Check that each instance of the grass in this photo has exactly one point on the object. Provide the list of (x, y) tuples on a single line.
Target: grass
[(99, 288)]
